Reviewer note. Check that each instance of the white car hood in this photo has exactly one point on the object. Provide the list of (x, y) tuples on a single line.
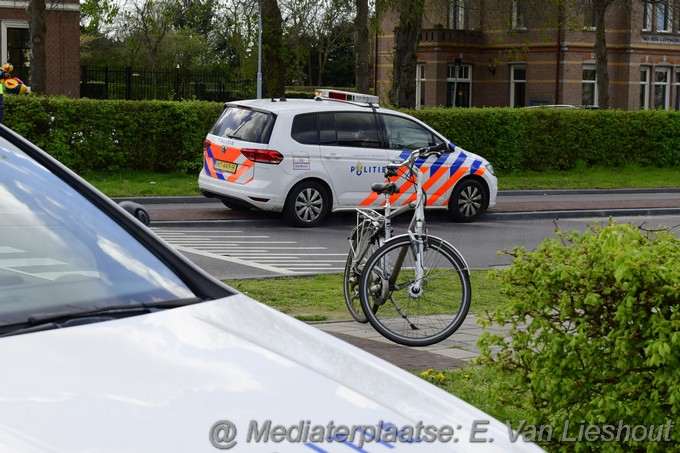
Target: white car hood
[(160, 382)]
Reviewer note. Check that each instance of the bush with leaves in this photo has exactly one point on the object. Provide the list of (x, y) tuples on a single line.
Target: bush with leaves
[(594, 336)]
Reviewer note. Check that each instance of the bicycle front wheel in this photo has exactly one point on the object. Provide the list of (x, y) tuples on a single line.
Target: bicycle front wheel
[(415, 312)]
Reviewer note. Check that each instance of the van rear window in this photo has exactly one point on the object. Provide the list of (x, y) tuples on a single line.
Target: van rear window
[(244, 124)]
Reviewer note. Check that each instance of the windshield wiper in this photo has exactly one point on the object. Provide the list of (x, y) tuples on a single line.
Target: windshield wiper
[(53, 320)]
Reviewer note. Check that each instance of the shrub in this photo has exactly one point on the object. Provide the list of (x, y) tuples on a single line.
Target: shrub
[(595, 335)]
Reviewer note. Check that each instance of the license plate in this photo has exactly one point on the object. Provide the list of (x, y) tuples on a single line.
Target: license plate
[(229, 167)]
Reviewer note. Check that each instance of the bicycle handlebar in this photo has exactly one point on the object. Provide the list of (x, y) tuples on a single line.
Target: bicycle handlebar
[(436, 150)]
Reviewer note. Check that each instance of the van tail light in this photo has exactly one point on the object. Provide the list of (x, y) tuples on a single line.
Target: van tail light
[(265, 156)]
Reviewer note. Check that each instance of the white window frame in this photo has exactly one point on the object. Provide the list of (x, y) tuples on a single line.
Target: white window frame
[(6, 24), (592, 83), (519, 12), (663, 84), (420, 85), (515, 81), (458, 14), (464, 76), (645, 72)]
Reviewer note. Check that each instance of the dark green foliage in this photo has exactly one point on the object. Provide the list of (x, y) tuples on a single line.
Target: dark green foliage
[(90, 134), (595, 333)]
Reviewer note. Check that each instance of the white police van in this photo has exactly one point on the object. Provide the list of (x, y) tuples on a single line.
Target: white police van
[(306, 158)]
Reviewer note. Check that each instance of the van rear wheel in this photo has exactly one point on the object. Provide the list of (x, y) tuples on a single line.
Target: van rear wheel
[(307, 205)]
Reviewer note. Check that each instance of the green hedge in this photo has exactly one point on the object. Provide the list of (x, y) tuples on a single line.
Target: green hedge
[(164, 135), (560, 139), (87, 134)]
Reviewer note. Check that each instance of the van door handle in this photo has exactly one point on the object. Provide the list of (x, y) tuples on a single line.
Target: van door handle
[(332, 156)]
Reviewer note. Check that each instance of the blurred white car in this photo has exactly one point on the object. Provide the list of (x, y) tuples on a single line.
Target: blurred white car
[(112, 341)]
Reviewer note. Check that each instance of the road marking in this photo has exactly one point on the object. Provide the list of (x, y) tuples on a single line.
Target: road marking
[(257, 251)]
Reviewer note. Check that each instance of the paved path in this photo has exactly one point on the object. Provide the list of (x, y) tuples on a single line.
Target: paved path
[(453, 353)]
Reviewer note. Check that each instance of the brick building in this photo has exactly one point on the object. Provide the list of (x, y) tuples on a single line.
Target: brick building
[(62, 43), (476, 53)]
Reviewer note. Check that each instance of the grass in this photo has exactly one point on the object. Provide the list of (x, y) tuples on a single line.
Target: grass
[(320, 297), (145, 184)]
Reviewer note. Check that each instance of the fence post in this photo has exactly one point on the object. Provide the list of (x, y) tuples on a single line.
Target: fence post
[(177, 84), (83, 81), (128, 83)]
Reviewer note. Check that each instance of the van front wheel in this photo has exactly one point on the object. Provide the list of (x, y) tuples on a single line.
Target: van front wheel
[(467, 201), (307, 205)]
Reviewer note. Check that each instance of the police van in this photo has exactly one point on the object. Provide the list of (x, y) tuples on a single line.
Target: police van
[(307, 158)]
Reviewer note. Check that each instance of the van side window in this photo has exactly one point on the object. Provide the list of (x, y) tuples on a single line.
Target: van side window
[(305, 129), (403, 133), (327, 133), (357, 129)]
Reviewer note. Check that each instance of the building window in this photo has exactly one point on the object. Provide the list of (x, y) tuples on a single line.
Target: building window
[(519, 16), (644, 88), (657, 15), (661, 88), (663, 16), (589, 21), (458, 14), (518, 86), (589, 86), (647, 10), (16, 49), (459, 85), (420, 85)]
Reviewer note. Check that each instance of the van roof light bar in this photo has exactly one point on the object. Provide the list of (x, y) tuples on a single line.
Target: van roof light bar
[(347, 96)]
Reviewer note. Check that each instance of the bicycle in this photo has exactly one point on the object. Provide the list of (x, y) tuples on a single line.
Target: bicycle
[(414, 288), (372, 230)]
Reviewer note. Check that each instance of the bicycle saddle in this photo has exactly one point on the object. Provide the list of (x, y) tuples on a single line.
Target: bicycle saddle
[(389, 188)]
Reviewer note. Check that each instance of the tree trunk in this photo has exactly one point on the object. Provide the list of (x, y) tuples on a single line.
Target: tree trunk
[(406, 38), (273, 65), (361, 45), (37, 33), (601, 58)]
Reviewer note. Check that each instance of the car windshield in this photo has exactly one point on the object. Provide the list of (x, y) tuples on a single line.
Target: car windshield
[(60, 253)]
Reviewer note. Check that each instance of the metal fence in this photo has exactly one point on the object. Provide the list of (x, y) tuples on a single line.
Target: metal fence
[(171, 84)]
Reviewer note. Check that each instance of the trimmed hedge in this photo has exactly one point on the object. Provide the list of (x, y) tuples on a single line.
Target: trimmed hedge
[(162, 136), (87, 134)]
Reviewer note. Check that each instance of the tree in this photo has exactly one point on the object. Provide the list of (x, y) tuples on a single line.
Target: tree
[(361, 45), (273, 69), (406, 37), (37, 32)]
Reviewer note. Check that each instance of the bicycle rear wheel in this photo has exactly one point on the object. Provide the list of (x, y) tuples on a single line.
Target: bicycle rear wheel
[(363, 241), (415, 318)]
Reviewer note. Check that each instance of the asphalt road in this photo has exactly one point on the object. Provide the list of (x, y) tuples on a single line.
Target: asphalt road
[(233, 245)]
